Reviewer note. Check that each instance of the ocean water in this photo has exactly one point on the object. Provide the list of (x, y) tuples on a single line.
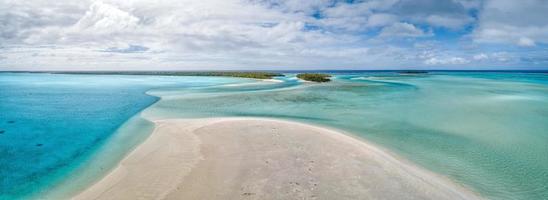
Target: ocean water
[(487, 131), (55, 130)]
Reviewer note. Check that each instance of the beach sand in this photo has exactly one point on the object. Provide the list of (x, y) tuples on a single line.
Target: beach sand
[(251, 158)]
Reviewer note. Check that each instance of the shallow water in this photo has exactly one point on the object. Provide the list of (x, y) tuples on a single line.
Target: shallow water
[(485, 130)]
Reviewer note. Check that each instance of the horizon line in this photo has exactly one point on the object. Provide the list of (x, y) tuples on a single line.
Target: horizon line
[(292, 70)]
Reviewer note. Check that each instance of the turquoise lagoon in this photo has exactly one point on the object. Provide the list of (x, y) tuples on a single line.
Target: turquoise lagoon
[(61, 132), (485, 130)]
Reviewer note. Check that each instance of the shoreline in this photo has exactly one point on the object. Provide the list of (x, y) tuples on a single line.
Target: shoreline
[(190, 157), (129, 136)]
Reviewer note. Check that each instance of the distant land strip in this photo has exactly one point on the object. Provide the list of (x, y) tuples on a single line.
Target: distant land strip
[(243, 74)]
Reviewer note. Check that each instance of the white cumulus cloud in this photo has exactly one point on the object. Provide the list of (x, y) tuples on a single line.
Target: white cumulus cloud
[(446, 61)]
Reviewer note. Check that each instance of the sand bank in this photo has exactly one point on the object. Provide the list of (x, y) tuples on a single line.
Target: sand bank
[(248, 158)]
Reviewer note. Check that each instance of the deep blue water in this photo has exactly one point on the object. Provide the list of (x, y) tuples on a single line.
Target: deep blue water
[(50, 124)]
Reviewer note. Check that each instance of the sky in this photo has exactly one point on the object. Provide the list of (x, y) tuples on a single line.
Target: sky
[(273, 34)]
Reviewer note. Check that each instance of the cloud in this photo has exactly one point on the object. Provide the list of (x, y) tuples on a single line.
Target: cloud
[(526, 42), (131, 49), (176, 33), (446, 61), (438, 13), (381, 19), (480, 57), (402, 30), (104, 18), (521, 23), (453, 22), (19, 19), (358, 16), (256, 34)]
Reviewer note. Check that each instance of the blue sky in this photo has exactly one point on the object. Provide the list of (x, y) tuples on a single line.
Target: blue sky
[(273, 34)]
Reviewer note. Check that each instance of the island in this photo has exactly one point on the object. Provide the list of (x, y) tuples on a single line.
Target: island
[(411, 72), (314, 77)]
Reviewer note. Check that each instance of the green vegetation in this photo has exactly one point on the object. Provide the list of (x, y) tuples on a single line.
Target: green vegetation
[(413, 72), (314, 77), (250, 74)]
